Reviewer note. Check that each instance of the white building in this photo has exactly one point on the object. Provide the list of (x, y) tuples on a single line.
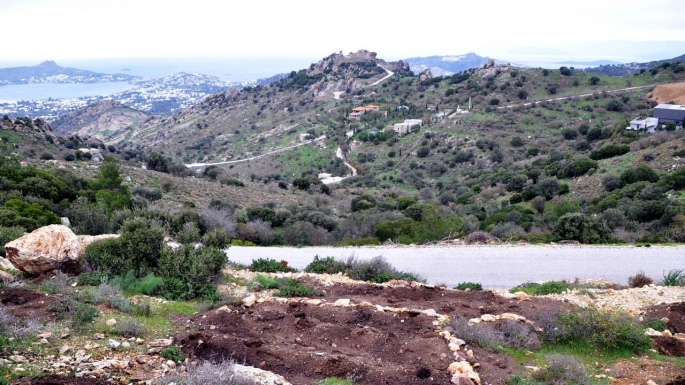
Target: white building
[(643, 124), (405, 127)]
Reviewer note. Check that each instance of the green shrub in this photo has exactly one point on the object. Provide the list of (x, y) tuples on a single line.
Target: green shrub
[(518, 380), (84, 314), (366, 241), (562, 369), (192, 268), (8, 234), (217, 238), (608, 331), (469, 286), (656, 324), (549, 287), (91, 279), (292, 288), (609, 151), (232, 182), (674, 278), (269, 266), (130, 327), (638, 174), (582, 228), (266, 282), (173, 353), (376, 270), (327, 265)]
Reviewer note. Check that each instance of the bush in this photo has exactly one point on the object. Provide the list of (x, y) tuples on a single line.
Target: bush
[(469, 286), (194, 268), (232, 182), (609, 151), (549, 287), (423, 151), (327, 265), (263, 265), (479, 237), (8, 234), (674, 278), (611, 182), (608, 331), (302, 183), (130, 327), (639, 280), (581, 228), (480, 334), (217, 238), (376, 270), (83, 315), (638, 174), (173, 353), (562, 369)]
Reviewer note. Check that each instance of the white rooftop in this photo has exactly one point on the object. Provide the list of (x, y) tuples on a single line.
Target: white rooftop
[(671, 107)]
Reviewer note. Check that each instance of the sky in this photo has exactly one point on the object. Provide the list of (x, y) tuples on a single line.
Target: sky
[(37, 30)]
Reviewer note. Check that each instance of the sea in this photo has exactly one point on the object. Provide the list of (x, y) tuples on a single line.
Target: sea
[(226, 69)]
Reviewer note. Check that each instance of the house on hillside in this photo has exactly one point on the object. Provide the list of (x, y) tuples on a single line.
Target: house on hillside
[(357, 112), (355, 116), (405, 127), (643, 124), (670, 113)]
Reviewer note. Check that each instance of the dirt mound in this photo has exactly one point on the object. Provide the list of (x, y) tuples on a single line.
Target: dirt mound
[(26, 304), (670, 346), (670, 92), (675, 312), (58, 380)]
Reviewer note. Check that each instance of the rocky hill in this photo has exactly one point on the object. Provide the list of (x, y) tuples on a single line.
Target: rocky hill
[(51, 72), (99, 120)]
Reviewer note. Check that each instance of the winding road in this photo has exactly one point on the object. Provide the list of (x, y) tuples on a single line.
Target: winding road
[(574, 96)]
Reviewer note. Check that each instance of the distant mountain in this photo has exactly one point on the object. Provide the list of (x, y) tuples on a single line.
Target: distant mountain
[(51, 72), (99, 120), (631, 68), (447, 65)]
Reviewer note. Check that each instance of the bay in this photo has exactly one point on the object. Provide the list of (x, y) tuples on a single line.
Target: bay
[(42, 91)]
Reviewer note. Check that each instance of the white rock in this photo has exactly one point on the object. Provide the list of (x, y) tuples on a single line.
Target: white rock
[(113, 344), (249, 300), (342, 302), (111, 322), (125, 344)]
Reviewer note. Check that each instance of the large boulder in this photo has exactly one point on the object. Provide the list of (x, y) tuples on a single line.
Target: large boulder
[(48, 248)]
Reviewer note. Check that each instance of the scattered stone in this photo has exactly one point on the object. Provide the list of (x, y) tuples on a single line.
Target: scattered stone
[(249, 300), (113, 344), (125, 344), (111, 322), (98, 336), (342, 302), (45, 249)]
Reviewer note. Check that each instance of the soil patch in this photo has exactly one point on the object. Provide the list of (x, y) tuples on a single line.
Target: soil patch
[(670, 346), (675, 312), (641, 370), (27, 304), (59, 380), (670, 92), (303, 341)]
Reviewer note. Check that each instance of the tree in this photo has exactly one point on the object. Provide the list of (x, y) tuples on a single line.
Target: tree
[(156, 162), (302, 183), (565, 71), (538, 204), (639, 173), (423, 151), (494, 101), (516, 141), (516, 183), (581, 228), (594, 80), (522, 94), (547, 188)]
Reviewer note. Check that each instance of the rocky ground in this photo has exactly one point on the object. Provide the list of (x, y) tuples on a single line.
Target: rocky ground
[(392, 333)]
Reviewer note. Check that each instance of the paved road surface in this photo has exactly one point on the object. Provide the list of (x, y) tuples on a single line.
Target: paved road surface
[(495, 266)]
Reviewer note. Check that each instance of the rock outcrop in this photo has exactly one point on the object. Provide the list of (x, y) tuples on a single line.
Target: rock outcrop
[(48, 248)]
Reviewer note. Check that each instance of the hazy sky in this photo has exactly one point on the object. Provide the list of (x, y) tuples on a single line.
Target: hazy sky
[(75, 29)]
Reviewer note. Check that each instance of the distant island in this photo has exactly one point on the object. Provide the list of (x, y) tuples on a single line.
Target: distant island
[(51, 72)]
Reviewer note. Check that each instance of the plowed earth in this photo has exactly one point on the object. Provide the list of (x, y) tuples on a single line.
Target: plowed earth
[(305, 342)]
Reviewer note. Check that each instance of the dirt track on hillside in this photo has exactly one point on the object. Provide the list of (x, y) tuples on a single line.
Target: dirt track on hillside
[(670, 92)]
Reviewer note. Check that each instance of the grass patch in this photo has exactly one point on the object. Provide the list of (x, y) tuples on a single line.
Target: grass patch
[(550, 287), (469, 286)]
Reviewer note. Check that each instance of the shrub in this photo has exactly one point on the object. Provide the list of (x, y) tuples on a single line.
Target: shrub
[(549, 287), (639, 280), (609, 151), (302, 183), (269, 266), (173, 353), (674, 278), (611, 182), (480, 334), (608, 331), (130, 327), (232, 182), (375, 270), (217, 238), (326, 265), (469, 286), (423, 151), (479, 237), (562, 369), (84, 314), (638, 174), (292, 288), (582, 228), (192, 268), (59, 283), (8, 234), (151, 194), (91, 279)]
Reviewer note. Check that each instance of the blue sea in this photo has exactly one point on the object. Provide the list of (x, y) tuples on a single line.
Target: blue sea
[(226, 69)]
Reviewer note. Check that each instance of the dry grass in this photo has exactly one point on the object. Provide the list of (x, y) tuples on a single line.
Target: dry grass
[(670, 92)]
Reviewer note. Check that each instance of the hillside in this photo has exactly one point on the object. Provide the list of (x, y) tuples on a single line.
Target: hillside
[(633, 68), (99, 120), (51, 72)]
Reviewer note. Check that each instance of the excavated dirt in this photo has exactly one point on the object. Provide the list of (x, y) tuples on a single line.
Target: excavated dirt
[(675, 312), (58, 380), (27, 304), (303, 341)]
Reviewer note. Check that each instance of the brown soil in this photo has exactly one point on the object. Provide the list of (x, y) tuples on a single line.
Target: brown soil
[(58, 380), (670, 346), (641, 370), (304, 342), (670, 92), (27, 304), (675, 312)]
